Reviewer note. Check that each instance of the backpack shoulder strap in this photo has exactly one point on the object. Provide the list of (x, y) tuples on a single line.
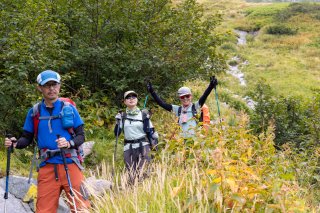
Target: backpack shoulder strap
[(179, 111), (146, 122), (35, 117), (145, 114), (194, 111), (124, 117)]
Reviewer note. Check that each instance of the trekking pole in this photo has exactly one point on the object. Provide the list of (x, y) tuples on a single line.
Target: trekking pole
[(115, 146), (216, 94), (68, 177), (9, 151), (34, 161), (145, 102)]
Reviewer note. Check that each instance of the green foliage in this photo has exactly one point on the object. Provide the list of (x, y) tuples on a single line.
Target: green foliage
[(226, 169), (229, 47), (233, 102), (298, 8), (263, 96), (101, 47), (281, 29), (295, 121)]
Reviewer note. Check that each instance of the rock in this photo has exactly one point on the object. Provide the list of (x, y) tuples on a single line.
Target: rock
[(18, 188), (87, 148), (14, 203), (97, 187)]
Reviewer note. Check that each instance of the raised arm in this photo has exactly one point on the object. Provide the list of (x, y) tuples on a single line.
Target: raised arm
[(213, 84), (159, 101)]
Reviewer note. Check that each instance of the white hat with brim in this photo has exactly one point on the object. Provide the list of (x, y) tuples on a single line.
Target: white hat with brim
[(129, 93), (184, 91)]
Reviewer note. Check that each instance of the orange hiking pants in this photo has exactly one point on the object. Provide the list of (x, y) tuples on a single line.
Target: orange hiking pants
[(49, 188)]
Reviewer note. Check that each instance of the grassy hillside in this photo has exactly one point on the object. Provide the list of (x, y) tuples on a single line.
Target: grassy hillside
[(227, 169), (232, 170), (285, 49)]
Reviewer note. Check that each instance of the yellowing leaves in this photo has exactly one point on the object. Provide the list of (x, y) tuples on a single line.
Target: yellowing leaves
[(175, 190), (217, 180), (31, 195), (99, 122), (211, 172), (232, 184)]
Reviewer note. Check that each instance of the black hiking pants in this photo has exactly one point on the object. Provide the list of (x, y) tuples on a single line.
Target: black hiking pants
[(135, 160)]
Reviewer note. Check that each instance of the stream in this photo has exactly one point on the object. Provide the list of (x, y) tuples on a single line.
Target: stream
[(234, 69)]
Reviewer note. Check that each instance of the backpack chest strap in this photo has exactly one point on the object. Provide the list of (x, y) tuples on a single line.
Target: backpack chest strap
[(134, 120), (49, 118)]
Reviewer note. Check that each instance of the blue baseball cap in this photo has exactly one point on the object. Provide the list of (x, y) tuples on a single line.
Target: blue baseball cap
[(48, 75)]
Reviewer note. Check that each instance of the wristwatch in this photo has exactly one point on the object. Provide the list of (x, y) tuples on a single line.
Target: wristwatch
[(72, 144)]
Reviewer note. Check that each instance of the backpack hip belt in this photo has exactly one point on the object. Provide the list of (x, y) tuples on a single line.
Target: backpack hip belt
[(143, 139), (45, 154)]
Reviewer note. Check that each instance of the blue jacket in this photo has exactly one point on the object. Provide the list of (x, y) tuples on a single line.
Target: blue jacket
[(47, 138)]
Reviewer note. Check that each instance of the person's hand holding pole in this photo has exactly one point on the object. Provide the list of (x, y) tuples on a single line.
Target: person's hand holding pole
[(9, 142), (149, 87), (213, 81)]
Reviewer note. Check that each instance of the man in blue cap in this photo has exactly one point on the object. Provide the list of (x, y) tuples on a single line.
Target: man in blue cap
[(52, 137)]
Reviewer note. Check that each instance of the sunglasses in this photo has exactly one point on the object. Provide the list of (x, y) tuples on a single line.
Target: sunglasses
[(131, 97), (185, 97), (49, 85)]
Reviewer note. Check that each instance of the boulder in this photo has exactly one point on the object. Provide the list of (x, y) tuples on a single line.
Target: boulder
[(18, 188), (97, 187)]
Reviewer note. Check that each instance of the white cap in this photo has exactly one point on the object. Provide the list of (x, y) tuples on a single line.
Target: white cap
[(128, 93), (184, 91)]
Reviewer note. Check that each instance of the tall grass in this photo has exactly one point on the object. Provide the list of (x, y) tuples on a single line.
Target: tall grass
[(223, 170)]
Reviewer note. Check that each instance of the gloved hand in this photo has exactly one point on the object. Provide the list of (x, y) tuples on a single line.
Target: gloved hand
[(213, 81), (149, 87)]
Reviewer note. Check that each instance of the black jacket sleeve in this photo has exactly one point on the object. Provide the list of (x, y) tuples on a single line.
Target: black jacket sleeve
[(160, 102), (25, 140), (79, 136), (206, 93)]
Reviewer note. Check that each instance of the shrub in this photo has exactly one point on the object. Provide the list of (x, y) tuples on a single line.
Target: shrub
[(295, 121), (229, 47), (295, 9), (281, 29)]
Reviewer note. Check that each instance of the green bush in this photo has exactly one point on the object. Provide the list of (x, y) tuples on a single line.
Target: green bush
[(295, 121), (229, 47), (295, 9), (101, 48), (281, 29)]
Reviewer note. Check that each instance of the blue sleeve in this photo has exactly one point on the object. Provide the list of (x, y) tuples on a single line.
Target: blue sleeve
[(77, 119), (28, 124)]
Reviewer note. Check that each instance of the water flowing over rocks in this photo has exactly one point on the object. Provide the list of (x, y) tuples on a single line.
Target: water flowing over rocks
[(236, 62)]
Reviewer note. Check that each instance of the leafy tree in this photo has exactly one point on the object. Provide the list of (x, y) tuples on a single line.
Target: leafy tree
[(263, 96), (102, 47)]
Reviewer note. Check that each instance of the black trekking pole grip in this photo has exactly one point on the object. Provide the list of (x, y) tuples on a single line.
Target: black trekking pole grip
[(9, 151), (63, 155), (117, 137)]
